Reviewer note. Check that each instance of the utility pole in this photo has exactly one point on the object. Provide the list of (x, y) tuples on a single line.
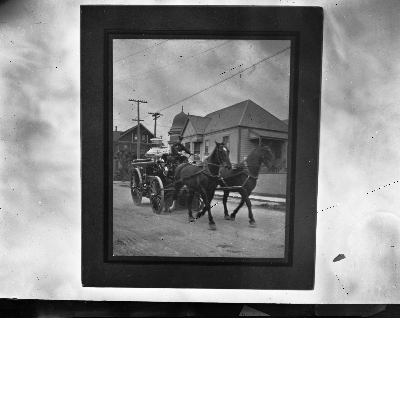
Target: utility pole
[(155, 115), (139, 138)]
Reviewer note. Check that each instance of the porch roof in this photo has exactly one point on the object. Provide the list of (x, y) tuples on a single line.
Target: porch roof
[(253, 135)]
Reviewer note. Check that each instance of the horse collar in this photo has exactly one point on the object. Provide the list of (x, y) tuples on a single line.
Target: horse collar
[(247, 170)]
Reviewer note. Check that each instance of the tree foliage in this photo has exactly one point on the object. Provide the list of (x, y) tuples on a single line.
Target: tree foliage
[(124, 157)]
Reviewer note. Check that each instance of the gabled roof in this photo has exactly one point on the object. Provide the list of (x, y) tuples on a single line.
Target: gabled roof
[(116, 135), (255, 116), (143, 130), (225, 118), (199, 123), (246, 113)]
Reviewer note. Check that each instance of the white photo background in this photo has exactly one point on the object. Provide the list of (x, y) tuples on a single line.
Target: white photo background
[(359, 158)]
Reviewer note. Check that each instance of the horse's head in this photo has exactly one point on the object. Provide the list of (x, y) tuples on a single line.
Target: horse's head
[(267, 157), (222, 155)]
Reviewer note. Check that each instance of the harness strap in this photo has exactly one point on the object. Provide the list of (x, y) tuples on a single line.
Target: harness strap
[(182, 178), (189, 176), (226, 187), (246, 171), (207, 172)]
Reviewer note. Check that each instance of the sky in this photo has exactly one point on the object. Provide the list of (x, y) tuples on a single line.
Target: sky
[(359, 161), (201, 76)]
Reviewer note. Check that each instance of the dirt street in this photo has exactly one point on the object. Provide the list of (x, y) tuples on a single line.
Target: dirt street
[(138, 231)]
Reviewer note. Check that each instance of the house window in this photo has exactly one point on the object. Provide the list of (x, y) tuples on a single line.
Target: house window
[(225, 141), (187, 145), (144, 138), (207, 146), (135, 137), (196, 151)]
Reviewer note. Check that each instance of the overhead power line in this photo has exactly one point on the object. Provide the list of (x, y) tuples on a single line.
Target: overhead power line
[(177, 62), (239, 72), (125, 109), (215, 84), (126, 126), (141, 51)]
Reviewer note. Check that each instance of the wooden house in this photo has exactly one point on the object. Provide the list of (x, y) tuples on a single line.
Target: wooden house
[(127, 140), (242, 127)]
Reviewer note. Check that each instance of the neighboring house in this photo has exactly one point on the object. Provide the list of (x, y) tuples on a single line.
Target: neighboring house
[(116, 134), (242, 127), (127, 140)]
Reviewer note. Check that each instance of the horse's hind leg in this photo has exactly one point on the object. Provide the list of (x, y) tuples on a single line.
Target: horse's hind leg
[(168, 195), (224, 200), (243, 193), (248, 204), (233, 215), (206, 208), (204, 196), (211, 222), (177, 188), (190, 200)]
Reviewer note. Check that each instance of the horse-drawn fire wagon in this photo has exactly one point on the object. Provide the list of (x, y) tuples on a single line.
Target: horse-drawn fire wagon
[(153, 177), (167, 174)]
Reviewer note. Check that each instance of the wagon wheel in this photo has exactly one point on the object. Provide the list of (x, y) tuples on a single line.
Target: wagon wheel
[(136, 187), (156, 195)]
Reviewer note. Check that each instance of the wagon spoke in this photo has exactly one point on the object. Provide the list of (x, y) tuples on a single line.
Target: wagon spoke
[(136, 187), (156, 195)]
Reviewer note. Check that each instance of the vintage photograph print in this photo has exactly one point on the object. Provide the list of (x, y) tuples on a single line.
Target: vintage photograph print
[(201, 146)]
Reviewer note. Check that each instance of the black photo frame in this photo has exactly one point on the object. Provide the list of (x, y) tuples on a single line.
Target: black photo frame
[(304, 26)]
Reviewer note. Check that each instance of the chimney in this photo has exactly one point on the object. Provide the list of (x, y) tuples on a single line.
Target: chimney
[(115, 128)]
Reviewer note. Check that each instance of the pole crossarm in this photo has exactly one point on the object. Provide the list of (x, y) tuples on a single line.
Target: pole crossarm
[(155, 115), (138, 101)]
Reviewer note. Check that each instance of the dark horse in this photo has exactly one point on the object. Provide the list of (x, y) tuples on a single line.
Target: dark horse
[(203, 179), (243, 179)]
